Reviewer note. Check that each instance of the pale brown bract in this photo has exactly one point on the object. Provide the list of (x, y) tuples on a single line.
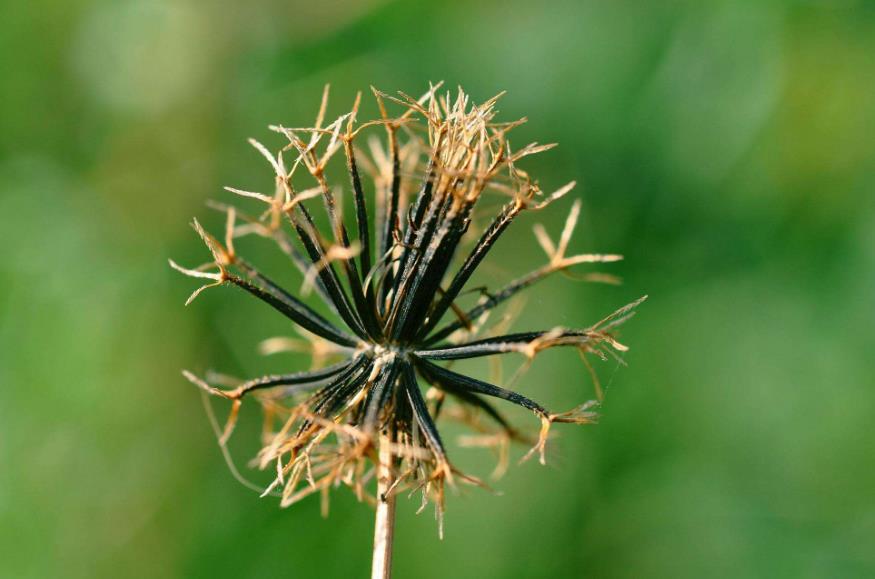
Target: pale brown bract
[(395, 293)]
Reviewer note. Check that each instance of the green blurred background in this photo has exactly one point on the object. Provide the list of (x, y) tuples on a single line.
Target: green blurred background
[(725, 148)]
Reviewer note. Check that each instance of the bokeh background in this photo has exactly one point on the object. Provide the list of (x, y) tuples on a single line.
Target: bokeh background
[(725, 148)]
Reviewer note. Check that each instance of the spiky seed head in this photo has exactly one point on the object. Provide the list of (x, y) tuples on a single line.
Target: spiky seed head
[(394, 289)]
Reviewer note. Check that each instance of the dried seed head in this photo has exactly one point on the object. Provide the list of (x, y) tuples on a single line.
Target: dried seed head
[(394, 289)]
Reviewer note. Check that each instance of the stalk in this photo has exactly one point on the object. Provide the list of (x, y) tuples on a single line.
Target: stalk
[(384, 523)]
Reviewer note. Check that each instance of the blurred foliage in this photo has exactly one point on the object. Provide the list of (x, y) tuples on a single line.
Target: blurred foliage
[(725, 148)]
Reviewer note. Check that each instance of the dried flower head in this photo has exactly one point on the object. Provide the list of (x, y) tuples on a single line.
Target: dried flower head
[(393, 291)]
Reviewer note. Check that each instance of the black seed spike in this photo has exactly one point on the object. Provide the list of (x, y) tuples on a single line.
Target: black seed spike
[(311, 378), (476, 401), (505, 344), (361, 213), (420, 412), (379, 394), (309, 239), (297, 312), (490, 236), (473, 385), (491, 301)]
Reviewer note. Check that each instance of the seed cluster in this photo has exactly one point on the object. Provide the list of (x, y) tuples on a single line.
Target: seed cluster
[(393, 291)]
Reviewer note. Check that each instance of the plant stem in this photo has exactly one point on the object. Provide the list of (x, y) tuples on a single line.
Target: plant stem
[(384, 524)]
